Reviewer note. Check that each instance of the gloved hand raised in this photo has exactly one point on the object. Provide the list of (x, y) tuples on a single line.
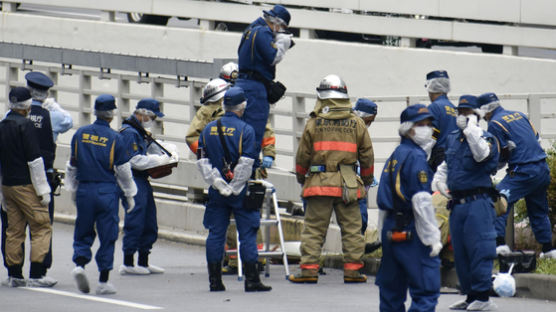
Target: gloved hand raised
[(223, 188), (51, 105), (267, 162), (130, 204), (45, 199), (284, 40), (375, 182), (435, 249)]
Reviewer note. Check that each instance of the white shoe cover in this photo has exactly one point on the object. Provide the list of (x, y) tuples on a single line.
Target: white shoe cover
[(44, 281), (548, 255), (482, 306), (155, 269), (459, 305), (14, 282), (81, 279), (105, 289), (503, 250), (133, 270)]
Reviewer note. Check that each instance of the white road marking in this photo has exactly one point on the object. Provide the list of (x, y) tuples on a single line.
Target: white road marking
[(93, 298)]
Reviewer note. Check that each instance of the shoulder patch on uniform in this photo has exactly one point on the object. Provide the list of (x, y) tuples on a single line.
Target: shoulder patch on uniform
[(423, 178)]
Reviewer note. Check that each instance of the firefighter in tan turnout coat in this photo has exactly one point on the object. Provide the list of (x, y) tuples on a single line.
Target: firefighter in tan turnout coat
[(333, 141)]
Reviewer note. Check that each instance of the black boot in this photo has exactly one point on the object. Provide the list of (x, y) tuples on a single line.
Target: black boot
[(215, 277), (252, 281)]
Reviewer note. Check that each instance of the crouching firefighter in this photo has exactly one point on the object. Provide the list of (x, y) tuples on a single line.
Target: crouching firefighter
[(407, 224), (333, 141), (226, 153)]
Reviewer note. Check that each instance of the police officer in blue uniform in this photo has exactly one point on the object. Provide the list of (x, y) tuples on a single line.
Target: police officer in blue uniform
[(140, 226), (99, 163), (528, 174), (49, 120), (471, 158), (444, 112), (226, 155), (366, 109), (262, 46), (407, 224)]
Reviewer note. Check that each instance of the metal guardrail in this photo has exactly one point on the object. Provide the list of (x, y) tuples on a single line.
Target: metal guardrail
[(75, 89), (502, 22)]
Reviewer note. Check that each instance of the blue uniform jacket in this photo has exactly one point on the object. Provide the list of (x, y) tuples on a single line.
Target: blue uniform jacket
[(515, 126), (257, 50), (464, 172), (411, 174), (238, 135), (43, 129), (95, 150), (133, 139), (444, 121)]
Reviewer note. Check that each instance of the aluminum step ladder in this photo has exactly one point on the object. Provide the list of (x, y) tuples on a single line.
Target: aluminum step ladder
[(270, 202)]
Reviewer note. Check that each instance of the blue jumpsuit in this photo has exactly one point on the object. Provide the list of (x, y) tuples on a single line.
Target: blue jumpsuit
[(528, 174), (444, 123), (140, 226), (95, 150), (256, 53), (406, 264), (240, 139), (471, 222)]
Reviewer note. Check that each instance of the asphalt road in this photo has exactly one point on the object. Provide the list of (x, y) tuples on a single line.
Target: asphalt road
[(184, 287)]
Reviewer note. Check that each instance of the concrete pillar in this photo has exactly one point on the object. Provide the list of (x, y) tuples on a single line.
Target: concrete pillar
[(108, 16), (157, 92), (84, 99), (509, 50), (307, 33)]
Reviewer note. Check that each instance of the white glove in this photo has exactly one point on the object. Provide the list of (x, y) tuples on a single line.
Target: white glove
[(45, 199), (51, 105), (175, 157), (284, 40), (435, 249), (443, 189), (224, 188), (130, 204)]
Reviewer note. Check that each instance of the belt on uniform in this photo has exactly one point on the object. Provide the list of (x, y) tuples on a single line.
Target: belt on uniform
[(468, 199), (322, 168), (253, 75)]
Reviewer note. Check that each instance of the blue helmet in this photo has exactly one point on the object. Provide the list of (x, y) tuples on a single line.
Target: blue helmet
[(468, 101), (280, 12), (234, 96), (38, 81), (365, 108)]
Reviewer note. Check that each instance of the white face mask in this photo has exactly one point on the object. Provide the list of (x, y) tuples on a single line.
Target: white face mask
[(461, 121), (422, 136), (147, 124)]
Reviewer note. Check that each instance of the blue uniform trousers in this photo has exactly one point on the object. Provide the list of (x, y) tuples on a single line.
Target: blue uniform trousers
[(217, 219), (474, 242), (407, 265), (256, 112), (97, 203), (364, 214), (530, 181), (140, 226)]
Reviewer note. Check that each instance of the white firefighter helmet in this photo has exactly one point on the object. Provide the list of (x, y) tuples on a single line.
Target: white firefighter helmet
[(229, 72), (332, 87), (214, 90), (504, 285)]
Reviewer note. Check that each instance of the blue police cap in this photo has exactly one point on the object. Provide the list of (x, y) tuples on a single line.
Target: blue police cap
[(415, 113), (437, 74), (19, 94), (234, 96), (152, 105), (38, 80), (366, 106), (469, 101), (105, 102), (486, 98), (280, 12)]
